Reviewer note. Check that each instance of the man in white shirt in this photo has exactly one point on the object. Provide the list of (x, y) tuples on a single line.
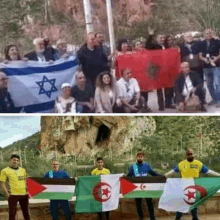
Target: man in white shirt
[(128, 91), (188, 83)]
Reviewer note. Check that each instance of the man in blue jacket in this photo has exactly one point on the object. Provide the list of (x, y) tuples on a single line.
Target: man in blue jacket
[(142, 169), (54, 204)]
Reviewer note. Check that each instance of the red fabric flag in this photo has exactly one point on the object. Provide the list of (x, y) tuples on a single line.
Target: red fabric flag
[(153, 69)]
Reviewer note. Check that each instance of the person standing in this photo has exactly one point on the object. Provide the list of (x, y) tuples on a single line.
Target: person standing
[(15, 176), (54, 204), (92, 59), (190, 168), (160, 45), (100, 170), (142, 169)]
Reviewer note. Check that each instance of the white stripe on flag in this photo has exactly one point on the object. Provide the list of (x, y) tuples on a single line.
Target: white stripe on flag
[(113, 196), (149, 186), (59, 188), (173, 196)]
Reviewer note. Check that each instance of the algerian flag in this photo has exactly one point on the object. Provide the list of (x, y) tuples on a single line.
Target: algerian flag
[(142, 187), (47, 188), (34, 86), (183, 195), (97, 193)]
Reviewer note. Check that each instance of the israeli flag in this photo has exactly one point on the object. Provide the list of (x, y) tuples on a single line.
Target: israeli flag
[(35, 86)]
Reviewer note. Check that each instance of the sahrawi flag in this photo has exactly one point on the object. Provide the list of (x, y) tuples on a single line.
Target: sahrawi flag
[(47, 188), (142, 187), (35, 86), (183, 195), (97, 193)]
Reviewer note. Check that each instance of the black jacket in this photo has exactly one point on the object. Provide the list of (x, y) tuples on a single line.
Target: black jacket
[(33, 55), (180, 82)]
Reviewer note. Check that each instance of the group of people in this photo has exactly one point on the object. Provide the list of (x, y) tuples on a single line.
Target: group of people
[(17, 192), (97, 89)]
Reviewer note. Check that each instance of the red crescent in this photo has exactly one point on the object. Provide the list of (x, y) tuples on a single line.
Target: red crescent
[(141, 186), (201, 189), (96, 192)]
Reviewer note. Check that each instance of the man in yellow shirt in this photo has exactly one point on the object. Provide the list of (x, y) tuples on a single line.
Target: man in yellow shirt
[(16, 177), (190, 168), (100, 170)]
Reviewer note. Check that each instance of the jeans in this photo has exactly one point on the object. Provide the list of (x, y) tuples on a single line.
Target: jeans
[(194, 214), (150, 206), (209, 73), (54, 205), (217, 82), (12, 203)]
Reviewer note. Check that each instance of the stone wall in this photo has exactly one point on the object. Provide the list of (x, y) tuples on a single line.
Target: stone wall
[(126, 210)]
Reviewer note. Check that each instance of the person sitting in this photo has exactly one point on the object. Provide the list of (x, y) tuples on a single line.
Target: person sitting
[(105, 93), (128, 92), (83, 93), (11, 53), (65, 103), (6, 103), (40, 54), (187, 84)]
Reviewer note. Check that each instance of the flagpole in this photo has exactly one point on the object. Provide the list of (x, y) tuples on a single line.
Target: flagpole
[(110, 25), (88, 16)]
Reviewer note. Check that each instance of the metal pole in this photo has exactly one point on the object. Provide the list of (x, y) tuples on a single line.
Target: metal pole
[(201, 145), (110, 25), (88, 16)]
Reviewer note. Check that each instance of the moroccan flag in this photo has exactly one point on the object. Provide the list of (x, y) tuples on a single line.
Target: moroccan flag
[(183, 195), (142, 187), (97, 193), (153, 69), (47, 188)]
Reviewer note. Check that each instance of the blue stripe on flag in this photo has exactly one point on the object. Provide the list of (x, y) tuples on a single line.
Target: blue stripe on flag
[(39, 107), (33, 70)]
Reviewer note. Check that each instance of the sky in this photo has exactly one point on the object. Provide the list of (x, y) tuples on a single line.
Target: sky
[(14, 128)]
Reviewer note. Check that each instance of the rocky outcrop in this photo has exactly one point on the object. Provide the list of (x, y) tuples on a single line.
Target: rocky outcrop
[(125, 13), (87, 135)]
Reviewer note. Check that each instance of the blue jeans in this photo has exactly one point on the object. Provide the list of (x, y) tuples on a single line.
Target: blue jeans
[(54, 205), (217, 82), (209, 73), (194, 214)]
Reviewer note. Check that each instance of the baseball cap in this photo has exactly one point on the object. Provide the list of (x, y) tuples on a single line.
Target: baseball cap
[(65, 85)]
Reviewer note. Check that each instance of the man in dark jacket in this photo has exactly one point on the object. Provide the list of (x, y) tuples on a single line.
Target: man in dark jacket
[(40, 54), (189, 82), (141, 169), (210, 56), (92, 59)]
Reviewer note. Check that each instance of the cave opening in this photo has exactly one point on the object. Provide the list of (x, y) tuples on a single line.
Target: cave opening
[(103, 134)]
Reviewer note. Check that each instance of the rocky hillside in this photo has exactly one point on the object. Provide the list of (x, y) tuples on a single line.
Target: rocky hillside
[(87, 135)]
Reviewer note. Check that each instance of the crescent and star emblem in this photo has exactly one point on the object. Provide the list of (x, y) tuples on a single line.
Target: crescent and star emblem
[(143, 186), (191, 194), (102, 190)]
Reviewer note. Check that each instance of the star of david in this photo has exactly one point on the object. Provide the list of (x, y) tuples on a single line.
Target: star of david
[(44, 90)]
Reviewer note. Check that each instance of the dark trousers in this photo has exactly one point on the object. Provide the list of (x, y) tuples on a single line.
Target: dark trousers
[(168, 92), (194, 214), (54, 205), (150, 206), (12, 204), (100, 215), (168, 96), (201, 94)]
